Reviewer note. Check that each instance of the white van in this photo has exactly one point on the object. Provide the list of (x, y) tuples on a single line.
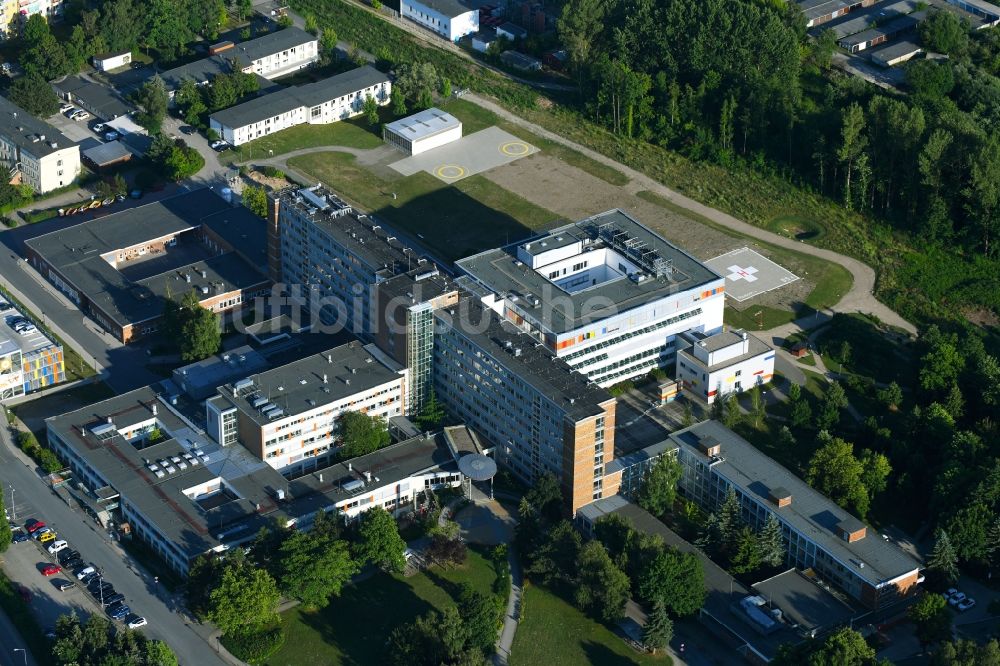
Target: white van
[(56, 546)]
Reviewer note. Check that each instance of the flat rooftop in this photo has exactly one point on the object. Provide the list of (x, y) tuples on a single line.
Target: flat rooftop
[(191, 526), (200, 379), (889, 29), (308, 95), (814, 9), (76, 253), (804, 602), (100, 100), (755, 348), (449, 8), (25, 131), (423, 124), (525, 357), (374, 244), (11, 340), (560, 311), (810, 513), (300, 387)]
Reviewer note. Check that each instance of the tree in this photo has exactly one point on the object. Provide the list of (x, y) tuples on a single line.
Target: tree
[(314, 568), (834, 401), (417, 82), (398, 103), (361, 434), (379, 542), (370, 109), (433, 639), (431, 414), (659, 629), (659, 488), (328, 40), (311, 26), (746, 556), (931, 615), (835, 472), (801, 414), (758, 409), (852, 144), (771, 543), (255, 198), (676, 578), (875, 472), (555, 559), (99, 643), (891, 396), (121, 25), (33, 94), (967, 653), (844, 647), (993, 543), (6, 535), (480, 617), (941, 366), (731, 414), (615, 532), (201, 335), (928, 79), (730, 519), (189, 98), (602, 589), (579, 25), (944, 32), (545, 496), (969, 530), (445, 87), (943, 561), (244, 600)]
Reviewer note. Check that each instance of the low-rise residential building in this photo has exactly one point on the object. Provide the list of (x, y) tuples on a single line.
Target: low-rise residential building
[(289, 416), (14, 13), (99, 100), (482, 40), (29, 360), (327, 101), (163, 481), (430, 128), (449, 18), (819, 535), (34, 152), (535, 412), (727, 362), (120, 269), (607, 295), (108, 61)]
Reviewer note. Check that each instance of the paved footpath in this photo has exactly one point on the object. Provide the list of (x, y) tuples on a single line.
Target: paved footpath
[(859, 298)]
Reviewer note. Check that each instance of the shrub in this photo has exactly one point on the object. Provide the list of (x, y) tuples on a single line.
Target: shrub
[(8, 222), (272, 172), (43, 456), (255, 648), (40, 215)]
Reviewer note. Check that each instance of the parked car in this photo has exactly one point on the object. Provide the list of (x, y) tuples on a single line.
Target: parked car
[(136, 193), (119, 612), (71, 111), (21, 536), (113, 599), (32, 524), (66, 106), (67, 555), (4, 306), (51, 569), (188, 129), (84, 572), (966, 604), (39, 533), (64, 585), (112, 136), (99, 127), (81, 115), (134, 621), (47, 537), (956, 598), (89, 578), (57, 545), (73, 565), (219, 145)]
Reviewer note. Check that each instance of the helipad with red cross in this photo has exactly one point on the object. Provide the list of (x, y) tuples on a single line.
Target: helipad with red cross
[(749, 273)]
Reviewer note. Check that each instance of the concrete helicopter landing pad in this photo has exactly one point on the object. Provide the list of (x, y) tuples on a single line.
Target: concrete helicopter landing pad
[(749, 273), (472, 154)]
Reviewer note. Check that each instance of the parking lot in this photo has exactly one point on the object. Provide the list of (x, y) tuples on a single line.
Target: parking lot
[(76, 130), (23, 563)]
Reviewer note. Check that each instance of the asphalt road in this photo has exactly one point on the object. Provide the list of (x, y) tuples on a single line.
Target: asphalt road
[(166, 621)]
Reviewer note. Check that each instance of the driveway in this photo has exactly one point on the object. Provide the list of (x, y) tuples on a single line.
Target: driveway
[(167, 620)]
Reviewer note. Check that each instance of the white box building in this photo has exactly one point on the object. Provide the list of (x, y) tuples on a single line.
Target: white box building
[(448, 18), (727, 362), (422, 131), (107, 62), (327, 101), (35, 151), (289, 416), (607, 294)]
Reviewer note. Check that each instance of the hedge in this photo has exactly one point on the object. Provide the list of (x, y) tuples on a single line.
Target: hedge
[(43, 456), (255, 648)]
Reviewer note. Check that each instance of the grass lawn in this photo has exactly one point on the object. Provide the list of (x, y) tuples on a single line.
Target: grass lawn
[(349, 133), (454, 220), (552, 632), (353, 630), (871, 353)]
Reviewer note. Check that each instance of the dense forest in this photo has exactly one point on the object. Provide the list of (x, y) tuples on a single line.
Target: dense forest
[(741, 83)]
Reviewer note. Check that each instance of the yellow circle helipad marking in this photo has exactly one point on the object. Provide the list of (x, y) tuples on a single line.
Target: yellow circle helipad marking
[(515, 148), (450, 171)]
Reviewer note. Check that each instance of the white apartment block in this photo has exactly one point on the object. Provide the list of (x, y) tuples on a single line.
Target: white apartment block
[(35, 153), (339, 97), (448, 18), (21, 10), (289, 416), (727, 362), (607, 294)]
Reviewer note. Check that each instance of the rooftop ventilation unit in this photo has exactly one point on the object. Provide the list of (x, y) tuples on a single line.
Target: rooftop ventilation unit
[(354, 486), (243, 384), (316, 200), (103, 430), (257, 402), (267, 406)]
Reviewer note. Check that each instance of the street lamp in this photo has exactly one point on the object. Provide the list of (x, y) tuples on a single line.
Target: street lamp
[(24, 653), (13, 507)]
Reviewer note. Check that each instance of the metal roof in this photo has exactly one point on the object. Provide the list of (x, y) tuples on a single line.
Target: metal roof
[(107, 153), (423, 124), (26, 131)]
